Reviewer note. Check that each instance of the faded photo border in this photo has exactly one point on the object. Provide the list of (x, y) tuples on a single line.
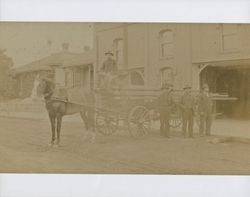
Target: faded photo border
[(198, 11)]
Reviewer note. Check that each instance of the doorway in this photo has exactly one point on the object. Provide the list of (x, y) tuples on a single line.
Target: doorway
[(235, 82)]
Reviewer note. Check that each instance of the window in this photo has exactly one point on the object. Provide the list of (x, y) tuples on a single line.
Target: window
[(78, 74), (166, 43), (60, 76), (69, 78), (137, 77), (166, 75), (230, 37), (119, 49)]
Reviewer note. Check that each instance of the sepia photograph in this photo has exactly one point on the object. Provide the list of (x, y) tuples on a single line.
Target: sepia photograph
[(125, 98)]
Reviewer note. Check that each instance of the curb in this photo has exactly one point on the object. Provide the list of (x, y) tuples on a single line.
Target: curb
[(239, 139), (228, 139)]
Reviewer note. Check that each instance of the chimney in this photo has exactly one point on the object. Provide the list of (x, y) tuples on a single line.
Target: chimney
[(86, 48), (65, 47)]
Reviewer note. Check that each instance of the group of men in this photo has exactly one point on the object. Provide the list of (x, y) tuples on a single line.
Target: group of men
[(189, 105)]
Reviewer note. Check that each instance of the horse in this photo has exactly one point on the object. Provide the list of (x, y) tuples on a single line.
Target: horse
[(57, 105)]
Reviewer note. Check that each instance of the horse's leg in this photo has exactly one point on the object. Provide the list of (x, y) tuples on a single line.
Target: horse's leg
[(91, 121), (58, 128), (93, 138), (85, 120), (52, 118)]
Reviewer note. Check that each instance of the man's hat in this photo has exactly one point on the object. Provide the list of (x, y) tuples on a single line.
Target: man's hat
[(109, 52), (205, 86), (187, 87)]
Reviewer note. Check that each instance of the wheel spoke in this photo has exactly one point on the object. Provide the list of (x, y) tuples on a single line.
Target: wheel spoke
[(139, 121), (106, 125)]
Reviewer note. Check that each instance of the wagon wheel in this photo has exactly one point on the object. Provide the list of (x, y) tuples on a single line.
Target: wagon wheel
[(175, 118), (139, 121), (106, 124)]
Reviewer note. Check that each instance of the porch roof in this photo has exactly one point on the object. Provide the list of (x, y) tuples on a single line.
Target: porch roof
[(46, 63), (82, 59)]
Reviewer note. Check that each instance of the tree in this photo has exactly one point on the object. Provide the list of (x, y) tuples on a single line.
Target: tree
[(7, 84)]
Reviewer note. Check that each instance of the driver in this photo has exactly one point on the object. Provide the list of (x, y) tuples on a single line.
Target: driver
[(109, 69)]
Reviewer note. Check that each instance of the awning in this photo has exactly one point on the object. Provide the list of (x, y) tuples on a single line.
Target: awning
[(228, 64)]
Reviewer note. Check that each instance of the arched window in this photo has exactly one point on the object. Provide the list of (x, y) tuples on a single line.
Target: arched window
[(166, 75), (166, 43), (136, 78), (119, 50)]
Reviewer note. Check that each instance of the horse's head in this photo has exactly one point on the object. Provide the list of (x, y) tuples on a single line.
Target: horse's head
[(41, 88), (44, 87)]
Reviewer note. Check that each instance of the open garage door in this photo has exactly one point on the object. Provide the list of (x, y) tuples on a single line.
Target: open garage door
[(234, 81)]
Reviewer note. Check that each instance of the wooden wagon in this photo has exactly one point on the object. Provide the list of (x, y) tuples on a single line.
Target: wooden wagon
[(126, 108)]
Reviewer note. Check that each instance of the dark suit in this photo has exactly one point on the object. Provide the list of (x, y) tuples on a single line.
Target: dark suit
[(166, 103), (109, 66), (188, 109), (205, 109)]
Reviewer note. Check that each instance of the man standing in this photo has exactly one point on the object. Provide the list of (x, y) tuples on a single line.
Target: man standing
[(188, 109), (108, 69), (109, 65), (166, 103), (205, 109)]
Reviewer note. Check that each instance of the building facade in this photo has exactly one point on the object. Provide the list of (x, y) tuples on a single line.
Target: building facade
[(153, 53), (79, 71), (216, 54), (26, 77), (66, 69), (221, 56)]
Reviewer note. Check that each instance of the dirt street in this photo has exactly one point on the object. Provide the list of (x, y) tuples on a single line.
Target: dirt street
[(24, 148)]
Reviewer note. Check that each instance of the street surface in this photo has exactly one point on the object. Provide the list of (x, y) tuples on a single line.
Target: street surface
[(24, 148)]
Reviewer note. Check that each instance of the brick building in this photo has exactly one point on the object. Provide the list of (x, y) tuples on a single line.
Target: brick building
[(221, 55), (217, 54), (153, 53)]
